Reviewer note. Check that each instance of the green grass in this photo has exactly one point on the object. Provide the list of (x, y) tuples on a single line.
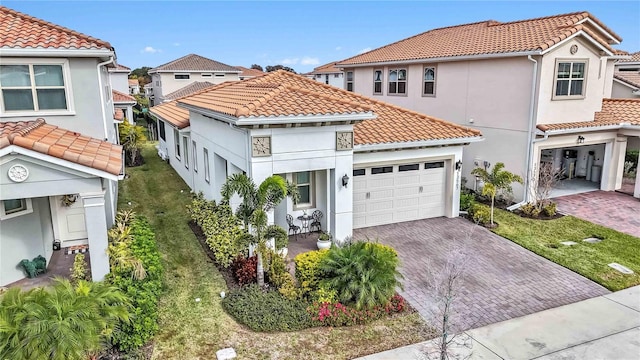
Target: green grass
[(543, 237), (196, 330)]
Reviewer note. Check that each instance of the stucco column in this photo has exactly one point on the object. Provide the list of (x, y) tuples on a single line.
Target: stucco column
[(636, 191), (616, 169), (342, 198), (96, 223)]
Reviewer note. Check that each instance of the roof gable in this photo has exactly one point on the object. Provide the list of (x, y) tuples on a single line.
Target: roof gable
[(188, 90), (119, 97), (490, 37), (249, 72), (329, 68), (193, 62), (18, 30)]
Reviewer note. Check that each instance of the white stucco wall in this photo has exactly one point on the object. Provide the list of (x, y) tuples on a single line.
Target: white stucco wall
[(169, 84), (334, 79), (621, 91), (119, 81)]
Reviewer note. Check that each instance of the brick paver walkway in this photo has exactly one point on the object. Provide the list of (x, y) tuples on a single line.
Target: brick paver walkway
[(503, 280), (607, 208)]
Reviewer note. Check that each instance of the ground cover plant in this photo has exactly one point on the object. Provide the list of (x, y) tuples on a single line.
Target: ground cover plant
[(190, 329), (544, 238)]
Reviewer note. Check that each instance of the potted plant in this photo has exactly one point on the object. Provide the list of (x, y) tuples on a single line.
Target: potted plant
[(324, 240)]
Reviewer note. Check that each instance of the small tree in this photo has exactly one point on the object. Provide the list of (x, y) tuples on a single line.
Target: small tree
[(257, 67), (131, 138), (548, 177), (496, 180)]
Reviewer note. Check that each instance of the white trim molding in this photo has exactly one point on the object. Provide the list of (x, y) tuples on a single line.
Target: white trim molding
[(28, 209), (416, 144)]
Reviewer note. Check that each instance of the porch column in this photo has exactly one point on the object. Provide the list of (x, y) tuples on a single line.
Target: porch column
[(342, 201), (613, 176), (96, 223), (636, 190)]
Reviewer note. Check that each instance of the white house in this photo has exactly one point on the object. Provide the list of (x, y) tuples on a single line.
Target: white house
[(329, 74), (181, 72), (517, 82), (362, 162), (134, 86), (119, 78), (124, 102), (59, 162)]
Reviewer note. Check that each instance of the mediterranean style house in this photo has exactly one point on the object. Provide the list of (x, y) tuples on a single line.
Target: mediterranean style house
[(181, 72), (329, 74), (248, 73), (538, 90), (59, 160), (360, 161)]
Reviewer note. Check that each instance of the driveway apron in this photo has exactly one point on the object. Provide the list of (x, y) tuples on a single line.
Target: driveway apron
[(502, 281)]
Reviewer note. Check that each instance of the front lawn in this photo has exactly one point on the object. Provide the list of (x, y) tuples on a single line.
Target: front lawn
[(544, 238), (196, 330)]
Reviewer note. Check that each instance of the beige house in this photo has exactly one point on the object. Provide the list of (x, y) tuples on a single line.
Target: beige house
[(181, 72), (248, 73), (517, 82)]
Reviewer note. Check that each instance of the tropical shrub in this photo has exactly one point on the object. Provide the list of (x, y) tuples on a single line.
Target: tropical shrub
[(550, 209), (308, 270), (277, 273), (279, 234), (632, 157), (337, 314), (480, 213), (244, 269), (267, 310), (79, 269), (530, 210), (466, 201), (364, 274), (131, 138), (142, 292), (62, 321), (497, 181)]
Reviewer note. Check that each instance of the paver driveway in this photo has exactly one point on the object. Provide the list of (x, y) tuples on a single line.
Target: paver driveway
[(607, 208), (503, 280)]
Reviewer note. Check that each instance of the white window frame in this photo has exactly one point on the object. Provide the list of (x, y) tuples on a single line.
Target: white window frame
[(185, 151), (68, 90), (176, 145), (570, 79), (182, 74), (207, 174), (398, 81), (348, 82), (27, 210), (434, 81), (312, 192), (381, 81), (194, 148)]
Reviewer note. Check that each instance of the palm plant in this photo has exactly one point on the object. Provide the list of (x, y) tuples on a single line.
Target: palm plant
[(364, 274), (257, 201), (62, 322), (495, 181)]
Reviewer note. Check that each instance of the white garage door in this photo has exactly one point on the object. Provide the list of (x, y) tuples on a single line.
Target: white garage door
[(395, 193)]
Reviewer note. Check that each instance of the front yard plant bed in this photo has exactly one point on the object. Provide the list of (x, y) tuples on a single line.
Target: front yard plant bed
[(590, 260), (190, 329)]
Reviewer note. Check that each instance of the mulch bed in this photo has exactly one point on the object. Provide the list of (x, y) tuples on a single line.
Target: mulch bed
[(202, 239), (541, 217)]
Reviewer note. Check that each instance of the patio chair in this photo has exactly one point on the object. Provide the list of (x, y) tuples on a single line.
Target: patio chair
[(317, 216), (292, 227)]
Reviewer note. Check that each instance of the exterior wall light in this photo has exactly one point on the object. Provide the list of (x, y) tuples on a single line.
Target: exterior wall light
[(345, 180), (458, 164), (580, 139)]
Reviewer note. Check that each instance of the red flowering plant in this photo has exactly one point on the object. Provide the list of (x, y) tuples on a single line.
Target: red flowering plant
[(337, 314)]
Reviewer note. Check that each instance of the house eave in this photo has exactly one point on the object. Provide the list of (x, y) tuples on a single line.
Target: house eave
[(588, 129), (194, 71), (416, 144), (45, 52), (444, 59)]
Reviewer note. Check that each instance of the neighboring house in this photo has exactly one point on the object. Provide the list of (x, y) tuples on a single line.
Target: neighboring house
[(188, 90), (148, 90), (360, 161), (248, 73), (181, 72), (626, 85), (510, 80), (134, 86), (59, 164), (119, 78), (329, 74), (124, 102)]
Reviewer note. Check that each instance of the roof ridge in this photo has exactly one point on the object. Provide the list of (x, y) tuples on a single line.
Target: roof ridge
[(26, 129), (172, 61), (620, 100), (329, 97), (576, 13), (55, 26)]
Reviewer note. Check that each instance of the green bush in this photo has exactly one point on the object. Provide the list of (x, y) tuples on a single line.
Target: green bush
[(550, 209), (364, 274), (308, 270), (530, 210), (466, 201), (632, 156), (480, 213), (267, 310), (279, 234), (277, 272), (143, 292), (79, 269)]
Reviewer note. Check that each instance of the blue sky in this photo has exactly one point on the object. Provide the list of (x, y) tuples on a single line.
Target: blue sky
[(301, 35)]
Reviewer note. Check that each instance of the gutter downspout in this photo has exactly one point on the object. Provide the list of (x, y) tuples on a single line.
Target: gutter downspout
[(529, 134), (106, 133)]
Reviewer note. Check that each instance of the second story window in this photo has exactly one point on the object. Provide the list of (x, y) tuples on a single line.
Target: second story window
[(570, 78), (377, 81), (33, 87), (397, 81), (349, 82), (429, 81), (181, 76)]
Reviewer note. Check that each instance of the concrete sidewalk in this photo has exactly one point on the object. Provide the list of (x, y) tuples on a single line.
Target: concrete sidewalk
[(605, 327)]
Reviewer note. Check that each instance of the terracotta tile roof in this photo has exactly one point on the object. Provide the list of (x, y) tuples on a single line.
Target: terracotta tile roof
[(133, 82), (630, 77), (119, 68), (64, 144), (282, 93), (119, 97), (635, 57), (188, 90), (329, 68), (246, 72), (122, 67), (487, 37), (118, 114), (614, 112), (171, 113), (18, 30), (193, 62)]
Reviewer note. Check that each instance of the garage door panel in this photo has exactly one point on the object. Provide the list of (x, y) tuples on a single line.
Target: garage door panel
[(399, 203), (406, 215), (380, 181), (359, 196), (379, 205), (381, 194), (407, 179), (407, 191)]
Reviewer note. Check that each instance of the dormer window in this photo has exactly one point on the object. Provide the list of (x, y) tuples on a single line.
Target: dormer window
[(570, 79), (36, 87)]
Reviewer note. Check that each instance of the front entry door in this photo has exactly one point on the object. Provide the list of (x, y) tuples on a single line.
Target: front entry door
[(70, 219)]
